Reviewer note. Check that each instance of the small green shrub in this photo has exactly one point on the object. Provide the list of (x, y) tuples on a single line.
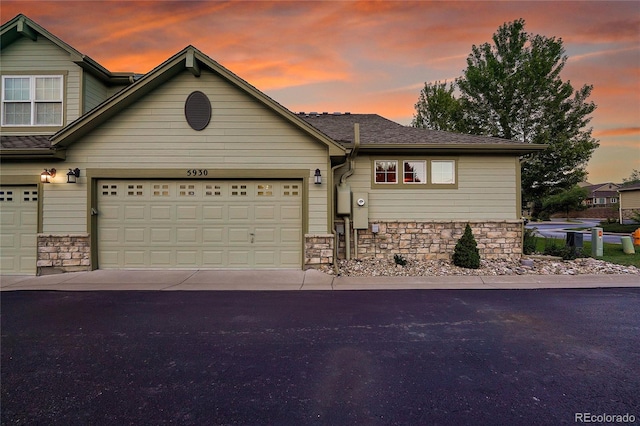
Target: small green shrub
[(466, 254), (554, 247), (530, 241), (399, 259)]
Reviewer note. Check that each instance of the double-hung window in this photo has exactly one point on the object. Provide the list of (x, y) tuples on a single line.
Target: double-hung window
[(32, 100)]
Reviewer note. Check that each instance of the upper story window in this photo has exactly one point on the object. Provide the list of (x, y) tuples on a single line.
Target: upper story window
[(32, 100)]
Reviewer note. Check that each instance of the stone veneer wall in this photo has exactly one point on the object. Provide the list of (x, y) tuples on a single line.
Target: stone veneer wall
[(431, 240), (63, 253), (318, 250)]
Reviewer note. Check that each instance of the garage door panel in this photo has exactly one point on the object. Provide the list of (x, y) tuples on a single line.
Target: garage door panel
[(290, 213), (160, 258), (134, 212), (134, 235), (238, 258), (187, 212), (213, 236), (187, 235), (290, 235), (239, 235), (213, 259), (212, 213), (160, 212), (29, 219), (211, 224), (135, 257), (265, 258), (238, 213), (267, 213), (18, 229), (161, 235)]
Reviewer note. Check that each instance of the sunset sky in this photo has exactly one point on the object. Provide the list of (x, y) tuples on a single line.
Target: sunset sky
[(366, 57)]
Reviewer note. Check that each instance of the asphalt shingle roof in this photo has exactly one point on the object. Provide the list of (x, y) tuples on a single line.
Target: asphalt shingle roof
[(25, 142), (377, 130)]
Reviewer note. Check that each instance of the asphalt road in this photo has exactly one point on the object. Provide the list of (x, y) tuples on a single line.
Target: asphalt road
[(559, 230), (516, 357)]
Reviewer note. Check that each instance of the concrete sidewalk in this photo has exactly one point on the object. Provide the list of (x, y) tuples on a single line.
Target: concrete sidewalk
[(255, 280)]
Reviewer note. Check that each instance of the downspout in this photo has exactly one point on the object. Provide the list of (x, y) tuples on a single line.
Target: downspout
[(343, 179), (334, 231)]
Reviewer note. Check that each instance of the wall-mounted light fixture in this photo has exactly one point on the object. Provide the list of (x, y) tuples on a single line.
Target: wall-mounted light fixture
[(317, 178), (73, 175), (45, 177)]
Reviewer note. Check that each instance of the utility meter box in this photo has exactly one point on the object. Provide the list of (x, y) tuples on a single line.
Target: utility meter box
[(596, 242), (343, 201), (361, 211)]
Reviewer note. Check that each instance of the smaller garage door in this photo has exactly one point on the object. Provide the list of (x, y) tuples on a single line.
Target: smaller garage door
[(18, 229), (199, 224)]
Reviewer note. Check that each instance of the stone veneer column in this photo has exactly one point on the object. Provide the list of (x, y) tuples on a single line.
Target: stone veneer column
[(63, 253), (318, 250)]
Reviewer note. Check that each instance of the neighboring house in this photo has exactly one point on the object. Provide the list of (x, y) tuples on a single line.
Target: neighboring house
[(602, 195), (189, 166), (629, 202)]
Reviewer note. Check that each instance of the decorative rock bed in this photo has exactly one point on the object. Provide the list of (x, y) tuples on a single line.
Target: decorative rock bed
[(379, 267)]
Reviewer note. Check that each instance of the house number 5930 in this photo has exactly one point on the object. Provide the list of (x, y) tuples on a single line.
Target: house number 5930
[(197, 172)]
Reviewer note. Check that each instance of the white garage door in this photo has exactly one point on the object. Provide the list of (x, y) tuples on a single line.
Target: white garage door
[(199, 224), (18, 229)]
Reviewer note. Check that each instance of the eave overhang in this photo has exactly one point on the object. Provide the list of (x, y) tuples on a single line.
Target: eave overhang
[(32, 154), (455, 148)]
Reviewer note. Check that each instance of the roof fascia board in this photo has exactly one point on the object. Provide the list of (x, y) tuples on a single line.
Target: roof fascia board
[(32, 154)]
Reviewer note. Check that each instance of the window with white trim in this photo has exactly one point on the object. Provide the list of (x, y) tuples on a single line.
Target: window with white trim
[(386, 171), (443, 172), (32, 100), (415, 172)]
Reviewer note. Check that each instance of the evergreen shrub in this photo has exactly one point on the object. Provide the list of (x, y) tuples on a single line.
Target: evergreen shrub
[(466, 254)]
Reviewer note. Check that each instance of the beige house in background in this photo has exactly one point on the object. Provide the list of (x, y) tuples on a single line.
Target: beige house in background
[(629, 201), (190, 166)]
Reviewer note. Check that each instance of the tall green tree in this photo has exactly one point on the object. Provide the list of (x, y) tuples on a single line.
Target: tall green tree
[(438, 109), (566, 201), (633, 179), (512, 89)]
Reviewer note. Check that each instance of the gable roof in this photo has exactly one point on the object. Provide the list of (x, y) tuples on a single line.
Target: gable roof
[(381, 134), (194, 60), (21, 26), (602, 190)]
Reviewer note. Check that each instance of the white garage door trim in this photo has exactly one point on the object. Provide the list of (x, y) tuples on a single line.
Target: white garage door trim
[(18, 229), (199, 224)]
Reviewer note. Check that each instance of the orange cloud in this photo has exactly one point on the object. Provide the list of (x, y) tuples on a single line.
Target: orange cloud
[(627, 131)]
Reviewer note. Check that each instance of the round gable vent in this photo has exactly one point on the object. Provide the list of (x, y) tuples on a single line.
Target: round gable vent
[(197, 110)]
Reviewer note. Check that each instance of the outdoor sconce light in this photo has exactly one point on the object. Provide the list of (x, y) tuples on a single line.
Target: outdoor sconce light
[(317, 178), (73, 175), (47, 175)]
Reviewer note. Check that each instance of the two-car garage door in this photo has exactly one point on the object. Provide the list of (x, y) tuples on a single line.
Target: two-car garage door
[(199, 224)]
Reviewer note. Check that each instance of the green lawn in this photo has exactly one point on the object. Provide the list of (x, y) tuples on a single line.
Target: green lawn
[(611, 252)]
